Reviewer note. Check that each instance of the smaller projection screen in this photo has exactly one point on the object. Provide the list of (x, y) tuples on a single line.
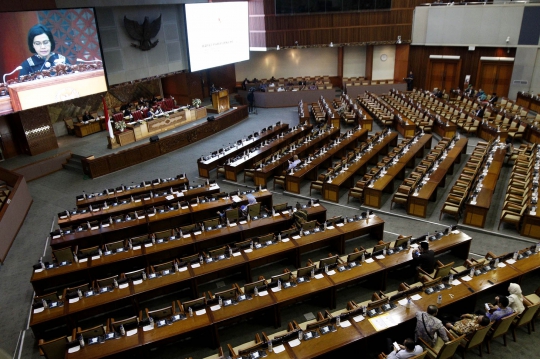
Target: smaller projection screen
[(218, 34), (49, 56)]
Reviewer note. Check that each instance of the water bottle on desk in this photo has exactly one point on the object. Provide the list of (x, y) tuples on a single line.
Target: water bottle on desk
[(122, 330), (190, 311), (220, 302)]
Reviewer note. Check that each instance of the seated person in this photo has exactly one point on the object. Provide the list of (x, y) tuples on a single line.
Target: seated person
[(87, 116), (150, 113), (222, 213), (481, 95), (468, 324), (251, 200), (427, 325), (408, 350), (500, 311), (272, 84), (159, 110), (127, 112), (515, 299), (273, 79), (280, 89), (312, 86), (424, 257), (493, 98), (295, 162), (213, 88)]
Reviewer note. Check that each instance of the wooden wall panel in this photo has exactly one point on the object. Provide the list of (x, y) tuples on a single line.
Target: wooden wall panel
[(39, 131), (419, 60), (401, 66)]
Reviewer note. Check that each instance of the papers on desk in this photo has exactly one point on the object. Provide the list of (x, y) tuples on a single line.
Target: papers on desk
[(235, 198), (279, 349), (285, 240), (197, 233), (416, 297), (330, 227), (95, 257), (511, 261), (276, 214), (296, 237), (194, 204), (148, 245), (74, 300), (264, 190), (140, 217), (169, 197), (276, 289), (136, 248), (56, 236), (236, 254), (455, 282), (455, 231), (316, 205), (380, 256), (370, 260), (232, 225), (358, 318), (340, 224), (184, 207), (179, 194), (82, 260), (414, 246), (105, 225), (215, 307), (147, 328), (242, 222), (415, 194), (196, 265), (345, 324), (294, 343), (201, 312), (186, 235), (263, 293), (249, 250), (182, 269), (124, 285), (137, 282), (285, 212), (39, 310), (319, 276), (384, 321), (501, 265), (332, 272), (403, 301), (466, 278), (131, 332), (39, 270), (74, 349)]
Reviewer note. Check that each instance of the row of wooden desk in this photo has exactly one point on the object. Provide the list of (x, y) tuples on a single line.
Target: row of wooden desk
[(362, 332), (261, 175), (242, 261), (373, 194), (326, 286), (128, 191), (418, 201), (233, 168), (207, 165), (149, 223), (346, 177), (293, 181)]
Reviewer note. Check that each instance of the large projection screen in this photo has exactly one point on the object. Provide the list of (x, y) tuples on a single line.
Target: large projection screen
[(49, 56), (218, 34)]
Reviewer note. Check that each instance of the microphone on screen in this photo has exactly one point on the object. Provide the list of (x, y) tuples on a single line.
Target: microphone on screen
[(18, 68)]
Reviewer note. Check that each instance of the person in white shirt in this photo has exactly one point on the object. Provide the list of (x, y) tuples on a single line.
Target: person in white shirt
[(295, 162), (408, 350)]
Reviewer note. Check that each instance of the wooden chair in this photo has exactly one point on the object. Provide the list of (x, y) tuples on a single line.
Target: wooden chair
[(97, 331), (441, 270), (513, 217), (69, 126), (446, 351), (499, 329), (280, 180), (318, 184), (53, 349), (401, 196), (452, 206), (525, 318), (474, 340)]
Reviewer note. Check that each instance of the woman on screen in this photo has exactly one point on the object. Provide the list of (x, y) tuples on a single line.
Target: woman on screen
[(41, 44)]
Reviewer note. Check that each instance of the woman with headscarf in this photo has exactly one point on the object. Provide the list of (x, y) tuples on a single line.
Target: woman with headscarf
[(515, 298)]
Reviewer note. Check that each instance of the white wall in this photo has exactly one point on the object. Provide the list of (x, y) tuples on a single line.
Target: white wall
[(288, 63), (354, 61), (383, 70)]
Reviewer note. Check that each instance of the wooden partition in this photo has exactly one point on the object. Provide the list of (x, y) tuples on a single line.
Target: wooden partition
[(14, 210), (96, 167)]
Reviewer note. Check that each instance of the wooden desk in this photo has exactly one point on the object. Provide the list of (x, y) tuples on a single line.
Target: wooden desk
[(476, 214), (310, 171), (261, 175), (530, 226), (232, 169), (124, 138), (346, 178), (207, 165), (85, 129), (418, 202), (373, 194)]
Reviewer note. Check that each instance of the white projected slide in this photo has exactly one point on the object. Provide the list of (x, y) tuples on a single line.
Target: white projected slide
[(218, 34)]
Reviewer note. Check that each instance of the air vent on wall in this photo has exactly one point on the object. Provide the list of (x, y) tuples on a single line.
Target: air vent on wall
[(520, 82)]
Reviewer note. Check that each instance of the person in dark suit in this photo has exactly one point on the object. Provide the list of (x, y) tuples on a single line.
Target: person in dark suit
[(481, 111), (409, 80), (251, 99), (493, 98), (425, 257), (87, 116)]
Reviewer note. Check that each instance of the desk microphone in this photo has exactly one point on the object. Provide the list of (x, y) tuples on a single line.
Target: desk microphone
[(18, 68)]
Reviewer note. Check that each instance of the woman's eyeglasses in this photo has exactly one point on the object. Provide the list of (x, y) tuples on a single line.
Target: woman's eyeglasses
[(39, 43)]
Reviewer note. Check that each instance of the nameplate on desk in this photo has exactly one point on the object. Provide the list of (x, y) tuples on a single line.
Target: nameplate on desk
[(179, 194), (285, 212), (296, 237), (316, 205), (215, 307), (124, 285), (242, 222), (82, 260), (131, 332), (236, 254), (340, 224), (184, 207), (151, 215), (501, 265), (74, 300), (56, 236), (186, 235), (330, 227), (95, 257), (197, 233), (140, 217), (136, 247), (138, 281), (194, 205), (105, 225), (249, 250), (200, 312), (276, 214), (169, 197), (196, 265), (264, 190), (39, 310), (416, 297), (285, 240), (232, 225), (148, 245), (147, 328), (38, 270), (94, 228)]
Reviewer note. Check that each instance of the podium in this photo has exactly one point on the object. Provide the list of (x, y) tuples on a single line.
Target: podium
[(49, 90), (220, 101)]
